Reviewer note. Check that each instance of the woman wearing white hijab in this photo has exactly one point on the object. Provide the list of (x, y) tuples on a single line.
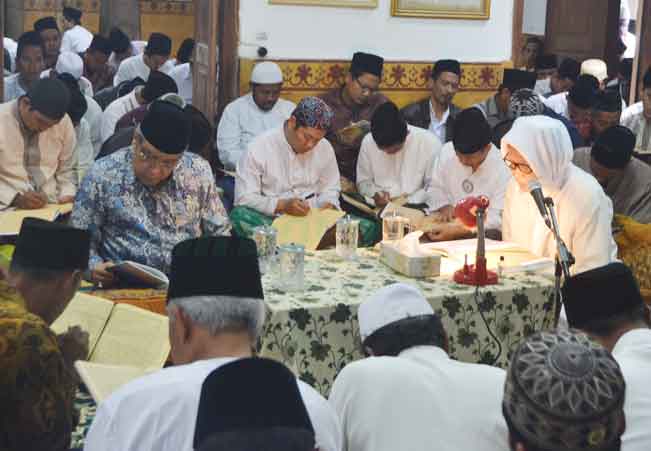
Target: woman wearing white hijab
[(539, 148)]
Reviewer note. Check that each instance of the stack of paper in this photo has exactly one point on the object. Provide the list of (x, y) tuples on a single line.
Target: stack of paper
[(11, 220)]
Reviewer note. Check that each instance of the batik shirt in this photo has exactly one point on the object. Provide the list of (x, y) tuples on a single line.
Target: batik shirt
[(130, 221), (36, 390)]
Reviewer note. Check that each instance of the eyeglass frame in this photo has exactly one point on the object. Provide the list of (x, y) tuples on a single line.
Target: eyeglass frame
[(145, 157), (365, 88), (513, 166)]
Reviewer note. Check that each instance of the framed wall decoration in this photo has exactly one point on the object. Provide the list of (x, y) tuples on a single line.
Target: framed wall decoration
[(340, 3), (442, 9)]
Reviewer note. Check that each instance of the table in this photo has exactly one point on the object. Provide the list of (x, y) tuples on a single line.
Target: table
[(316, 334)]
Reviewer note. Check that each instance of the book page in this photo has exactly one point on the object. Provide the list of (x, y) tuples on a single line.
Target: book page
[(135, 337), (306, 230), (134, 274), (102, 380), (91, 313), (10, 221)]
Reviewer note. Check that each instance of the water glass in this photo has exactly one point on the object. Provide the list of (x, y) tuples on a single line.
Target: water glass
[(265, 240), (347, 233), (393, 227), (291, 267)]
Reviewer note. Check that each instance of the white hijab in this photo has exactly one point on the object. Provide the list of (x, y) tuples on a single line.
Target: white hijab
[(546, 146)]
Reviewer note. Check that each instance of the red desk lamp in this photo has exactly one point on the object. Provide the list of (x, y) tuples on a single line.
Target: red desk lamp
[(471, 212)]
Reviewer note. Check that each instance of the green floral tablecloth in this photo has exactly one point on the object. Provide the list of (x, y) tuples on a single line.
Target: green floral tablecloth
[(316, 333)]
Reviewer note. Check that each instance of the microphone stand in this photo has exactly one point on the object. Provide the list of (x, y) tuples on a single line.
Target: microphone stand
[(564, 258)]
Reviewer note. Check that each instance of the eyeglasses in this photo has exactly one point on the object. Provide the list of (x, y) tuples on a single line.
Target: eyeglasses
[(522, 167), (366, 89), (151, 161)]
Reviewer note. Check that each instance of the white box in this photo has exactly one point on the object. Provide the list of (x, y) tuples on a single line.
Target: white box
[(417, 267)]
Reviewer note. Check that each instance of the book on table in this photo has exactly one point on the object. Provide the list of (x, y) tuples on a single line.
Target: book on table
[(137, 275), (125, 342), (11, 219)]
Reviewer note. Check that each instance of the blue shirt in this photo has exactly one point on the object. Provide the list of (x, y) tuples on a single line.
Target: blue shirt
[(130, 221), (577, 140)]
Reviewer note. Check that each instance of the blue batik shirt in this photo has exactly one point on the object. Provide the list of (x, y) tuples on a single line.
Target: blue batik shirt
[(130, 221)]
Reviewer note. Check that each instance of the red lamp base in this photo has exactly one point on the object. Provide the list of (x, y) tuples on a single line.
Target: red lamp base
[(476, 275)]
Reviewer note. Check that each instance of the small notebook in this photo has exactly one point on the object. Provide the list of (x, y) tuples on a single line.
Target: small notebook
[(306, 230), (11, 220), (137, 275)]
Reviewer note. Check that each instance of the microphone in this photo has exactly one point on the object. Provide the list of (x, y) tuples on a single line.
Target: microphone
[(535, 189)]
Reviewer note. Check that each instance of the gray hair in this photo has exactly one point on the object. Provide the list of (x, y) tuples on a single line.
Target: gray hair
[(223, 313)]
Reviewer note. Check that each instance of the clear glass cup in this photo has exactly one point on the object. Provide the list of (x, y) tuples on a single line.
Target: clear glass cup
[(393, 227), (291, 267), (265, 240), (347, 233)]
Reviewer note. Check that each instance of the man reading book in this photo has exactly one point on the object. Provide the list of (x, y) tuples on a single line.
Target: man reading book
[(289, 170), (139, 202), (213, 321), (37, 380)]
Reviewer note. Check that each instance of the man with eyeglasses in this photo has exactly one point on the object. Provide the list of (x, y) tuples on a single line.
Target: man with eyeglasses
[(437, 112), (470, 165), (353, 105), (140, 201)]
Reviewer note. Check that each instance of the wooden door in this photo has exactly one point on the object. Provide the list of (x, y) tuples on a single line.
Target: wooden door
[(583, 29), (204, 72), (2, 46)]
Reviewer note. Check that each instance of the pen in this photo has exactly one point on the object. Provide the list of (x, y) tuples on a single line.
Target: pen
[(309, 196)]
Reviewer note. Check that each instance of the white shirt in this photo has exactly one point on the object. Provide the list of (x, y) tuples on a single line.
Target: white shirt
[(182, 75), (135, 66), (271, 171), (633, 353), (453, 182), (93, 116), (583, 210), (407, 171), (558, 103), (12, 48), (438, 127), (76, 40), (137, 47), (420, 400), (85, 85), (84, 152), (633, 118), (115, 111), (158, 412), (543, 87), (13, 88), (242, 121)]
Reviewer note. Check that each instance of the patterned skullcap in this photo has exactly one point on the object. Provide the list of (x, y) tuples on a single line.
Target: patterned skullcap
[(525, 102), (314, 113), (564, 392)]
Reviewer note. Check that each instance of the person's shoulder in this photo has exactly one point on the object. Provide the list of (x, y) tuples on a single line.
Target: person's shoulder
[(20, 326), (424, 135), (414, 107), (180, 70), (6, 109), (198, 164), (583, 186), (284, 103), (632, 112)]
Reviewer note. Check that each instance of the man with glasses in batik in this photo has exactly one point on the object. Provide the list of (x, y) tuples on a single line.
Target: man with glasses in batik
[(437, 112), (139, 202), (353, 105)]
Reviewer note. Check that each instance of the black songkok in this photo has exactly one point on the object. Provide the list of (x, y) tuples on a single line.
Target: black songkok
[(159, 44), (78, 105), (72, 14), (367, 63), (166, 127), (120, 42), (609, 101), (50, 97), (518, 79), (215, 266), (546, 62), (388, 127), (158, 84), (471, 132), (446, 66), (232, 399), (101, 44), (50, 245), (46, 23)]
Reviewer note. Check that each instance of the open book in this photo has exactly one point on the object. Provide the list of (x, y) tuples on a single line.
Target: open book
[(102, 380), (119, 335), (11, 220), (306, 230), (134, 274)]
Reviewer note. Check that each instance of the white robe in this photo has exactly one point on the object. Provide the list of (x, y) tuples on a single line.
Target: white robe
[(633, 353), (118, 108), (12, 48), (135, 66), (420, 400), (490, 180), (583, 210), (242, 121), (137, 47), (407, 171), (76, 40), (84, 152), (271, 171), (93, 116), (558, 104), (633, 118), (158, 412), (182, 75), (12, 88)]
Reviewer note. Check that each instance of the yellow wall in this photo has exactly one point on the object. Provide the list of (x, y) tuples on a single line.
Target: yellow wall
[(175, 19), (35, 9), (402, 82)]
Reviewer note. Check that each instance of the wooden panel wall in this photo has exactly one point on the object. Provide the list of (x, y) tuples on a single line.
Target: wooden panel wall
[(175, 19)]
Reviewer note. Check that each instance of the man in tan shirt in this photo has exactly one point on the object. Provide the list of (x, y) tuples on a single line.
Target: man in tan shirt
[(37, 142)]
